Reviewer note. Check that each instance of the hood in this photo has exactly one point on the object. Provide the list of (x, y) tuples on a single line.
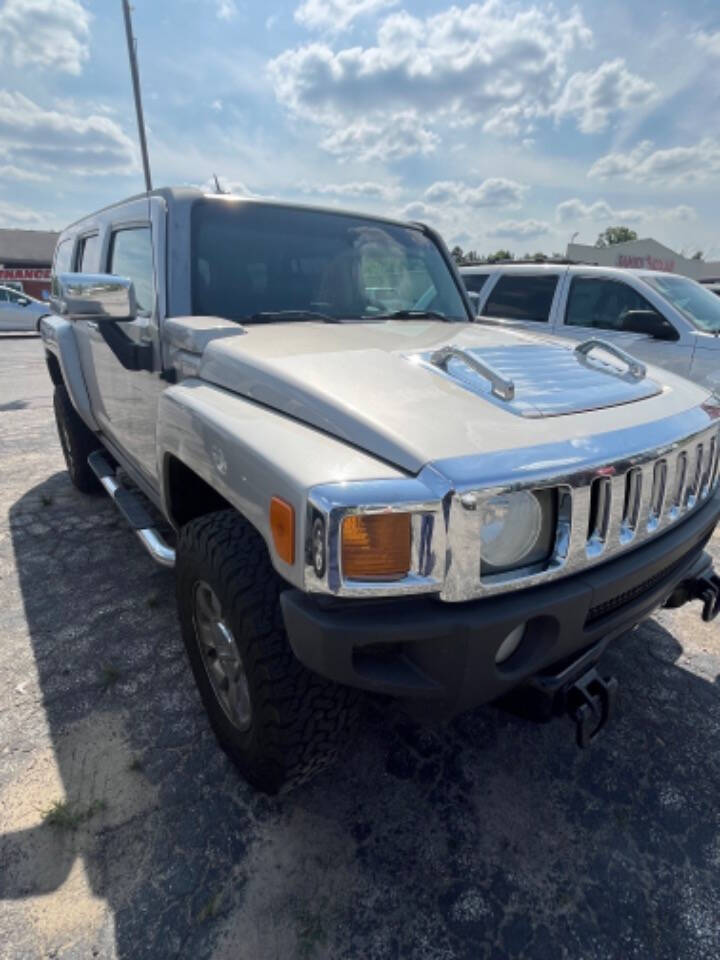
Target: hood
[(384, 388)]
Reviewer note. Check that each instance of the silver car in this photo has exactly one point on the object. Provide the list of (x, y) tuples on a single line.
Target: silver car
[(660, 318), (20, 312)]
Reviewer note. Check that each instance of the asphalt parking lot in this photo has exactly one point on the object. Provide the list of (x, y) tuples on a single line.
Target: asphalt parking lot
[(125, 833)]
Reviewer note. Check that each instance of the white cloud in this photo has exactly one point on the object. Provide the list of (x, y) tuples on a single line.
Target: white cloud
[(417, 210), (709, 42), (575, 209), (676, 165), (9, 171), (49, 34), (593, 96), (485, 62), (519, 229), (354, 188), (392, 138), (14, 215), (336, 15), (59, 140), (226, 9), (493, 192), (601, 211)]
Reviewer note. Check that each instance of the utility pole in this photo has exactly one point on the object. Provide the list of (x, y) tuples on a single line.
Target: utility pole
[(132, 54)]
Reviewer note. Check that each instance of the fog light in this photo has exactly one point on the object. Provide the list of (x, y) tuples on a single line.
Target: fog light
[(510, 644)]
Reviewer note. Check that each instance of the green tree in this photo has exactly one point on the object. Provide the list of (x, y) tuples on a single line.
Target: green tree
[(457, 254), (612, 235), (500, 255), (698, 255)]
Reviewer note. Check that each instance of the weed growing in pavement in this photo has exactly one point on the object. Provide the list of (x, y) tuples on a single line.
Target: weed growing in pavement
[(135, 764), (211, 908), (46, 499), (109, 676), (67, 817)]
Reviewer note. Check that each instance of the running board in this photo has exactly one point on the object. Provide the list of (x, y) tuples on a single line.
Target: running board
[(133, 509)]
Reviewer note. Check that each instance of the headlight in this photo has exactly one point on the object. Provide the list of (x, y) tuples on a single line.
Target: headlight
[(517, 530)]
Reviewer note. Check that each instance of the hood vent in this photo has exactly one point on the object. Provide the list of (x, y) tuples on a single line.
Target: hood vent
[(541, 379)]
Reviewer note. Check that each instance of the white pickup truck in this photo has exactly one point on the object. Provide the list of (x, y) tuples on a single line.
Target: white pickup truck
[(661, 318), (363, 487)]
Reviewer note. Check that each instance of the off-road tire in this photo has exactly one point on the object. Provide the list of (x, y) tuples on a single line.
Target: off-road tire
[(300, 721), (77, 442)]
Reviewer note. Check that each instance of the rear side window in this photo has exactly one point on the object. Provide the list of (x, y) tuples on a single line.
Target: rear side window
[(86, 260), (131, 256), (521, 297), (602, 303), (474, 282)]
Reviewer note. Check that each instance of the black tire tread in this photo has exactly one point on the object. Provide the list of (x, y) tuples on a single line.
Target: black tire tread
[(300, 720), (77, 442)]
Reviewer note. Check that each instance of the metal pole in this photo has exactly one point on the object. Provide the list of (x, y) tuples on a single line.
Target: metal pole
[(132, 54)]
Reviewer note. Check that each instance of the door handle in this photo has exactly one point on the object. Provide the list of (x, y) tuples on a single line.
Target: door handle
[(91, 324)]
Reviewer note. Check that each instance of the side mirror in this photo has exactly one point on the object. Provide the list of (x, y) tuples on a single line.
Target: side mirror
[(474, 299), (22, 301), (650, 323), (94, 296)]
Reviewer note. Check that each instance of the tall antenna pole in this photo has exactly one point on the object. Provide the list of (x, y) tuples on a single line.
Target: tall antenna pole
[(132, 54)]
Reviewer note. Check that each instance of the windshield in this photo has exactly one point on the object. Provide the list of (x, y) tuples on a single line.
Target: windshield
[(253, 260), (698, 305)]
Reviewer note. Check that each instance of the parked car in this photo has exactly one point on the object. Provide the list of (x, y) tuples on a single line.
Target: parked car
[(662, 318), (19, 312), (407, 502)]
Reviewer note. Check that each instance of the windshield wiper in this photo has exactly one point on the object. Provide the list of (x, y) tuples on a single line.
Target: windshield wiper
[(267, 316), (410, 315)]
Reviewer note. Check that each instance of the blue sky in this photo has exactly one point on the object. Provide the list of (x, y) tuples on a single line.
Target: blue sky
[(503, 124)]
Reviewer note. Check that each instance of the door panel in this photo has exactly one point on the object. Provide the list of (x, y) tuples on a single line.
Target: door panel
[(596, 308)]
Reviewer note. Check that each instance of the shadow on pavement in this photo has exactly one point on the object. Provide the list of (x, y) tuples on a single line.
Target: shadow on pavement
[(485, 838)]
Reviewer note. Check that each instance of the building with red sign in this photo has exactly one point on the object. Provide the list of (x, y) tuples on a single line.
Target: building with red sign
[(645, 254), (25, 258)]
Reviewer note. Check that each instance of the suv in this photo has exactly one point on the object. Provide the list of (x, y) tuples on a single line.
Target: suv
[(662, 318), (355, 498)]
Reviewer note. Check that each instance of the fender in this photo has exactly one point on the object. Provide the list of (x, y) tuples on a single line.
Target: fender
[(59, 337), (249, 453)]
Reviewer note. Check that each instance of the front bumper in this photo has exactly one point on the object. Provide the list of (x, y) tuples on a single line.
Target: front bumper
[(423, 648)]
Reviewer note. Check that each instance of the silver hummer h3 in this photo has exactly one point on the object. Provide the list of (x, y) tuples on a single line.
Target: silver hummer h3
[(358, 485)]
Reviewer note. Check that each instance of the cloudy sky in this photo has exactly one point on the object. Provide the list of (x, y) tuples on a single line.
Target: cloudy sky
[(503, 124)]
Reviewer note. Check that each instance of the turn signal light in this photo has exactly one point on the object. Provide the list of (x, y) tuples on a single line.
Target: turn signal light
[(376, 546), (282, 525)]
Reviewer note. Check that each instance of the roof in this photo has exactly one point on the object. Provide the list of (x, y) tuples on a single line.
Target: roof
[(584, 268), (27, 246), (184, 195)]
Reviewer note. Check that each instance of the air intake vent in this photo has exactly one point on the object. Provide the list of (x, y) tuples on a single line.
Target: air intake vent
[(657, 496), (599, 520), (681, 470), (631, 509)]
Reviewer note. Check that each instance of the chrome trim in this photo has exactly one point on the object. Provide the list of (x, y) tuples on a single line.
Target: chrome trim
[(501, 387), (148, 536), (664, 461), (637, 370)]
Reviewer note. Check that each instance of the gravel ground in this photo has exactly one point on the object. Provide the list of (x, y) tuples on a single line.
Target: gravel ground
[(486, 838)]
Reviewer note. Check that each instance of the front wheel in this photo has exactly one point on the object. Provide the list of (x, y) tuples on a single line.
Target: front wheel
[(77, 441), (277, 721)]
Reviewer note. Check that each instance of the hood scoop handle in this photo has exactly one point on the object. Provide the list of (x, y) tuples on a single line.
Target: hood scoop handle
[(501, 387), (637, 370)]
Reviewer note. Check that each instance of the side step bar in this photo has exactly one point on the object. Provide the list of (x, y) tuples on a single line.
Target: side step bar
[(132, 508)]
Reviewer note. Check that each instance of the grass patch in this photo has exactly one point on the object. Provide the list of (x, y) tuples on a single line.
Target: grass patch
[(135, 764), (211, 908), (65, 816), (109, 676), (46, 499), (153, 600)]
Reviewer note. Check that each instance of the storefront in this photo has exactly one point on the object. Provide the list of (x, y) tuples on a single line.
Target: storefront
[(25, 260), (645, 254)]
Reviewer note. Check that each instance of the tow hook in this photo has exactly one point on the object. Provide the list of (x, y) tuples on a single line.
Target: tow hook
[(590, 701), (707, 589)]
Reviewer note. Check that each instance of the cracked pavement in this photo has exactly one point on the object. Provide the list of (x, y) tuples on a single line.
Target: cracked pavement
[(488, 837)]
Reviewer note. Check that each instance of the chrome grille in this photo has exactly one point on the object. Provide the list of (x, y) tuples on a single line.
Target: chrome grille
[(609, 509)]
